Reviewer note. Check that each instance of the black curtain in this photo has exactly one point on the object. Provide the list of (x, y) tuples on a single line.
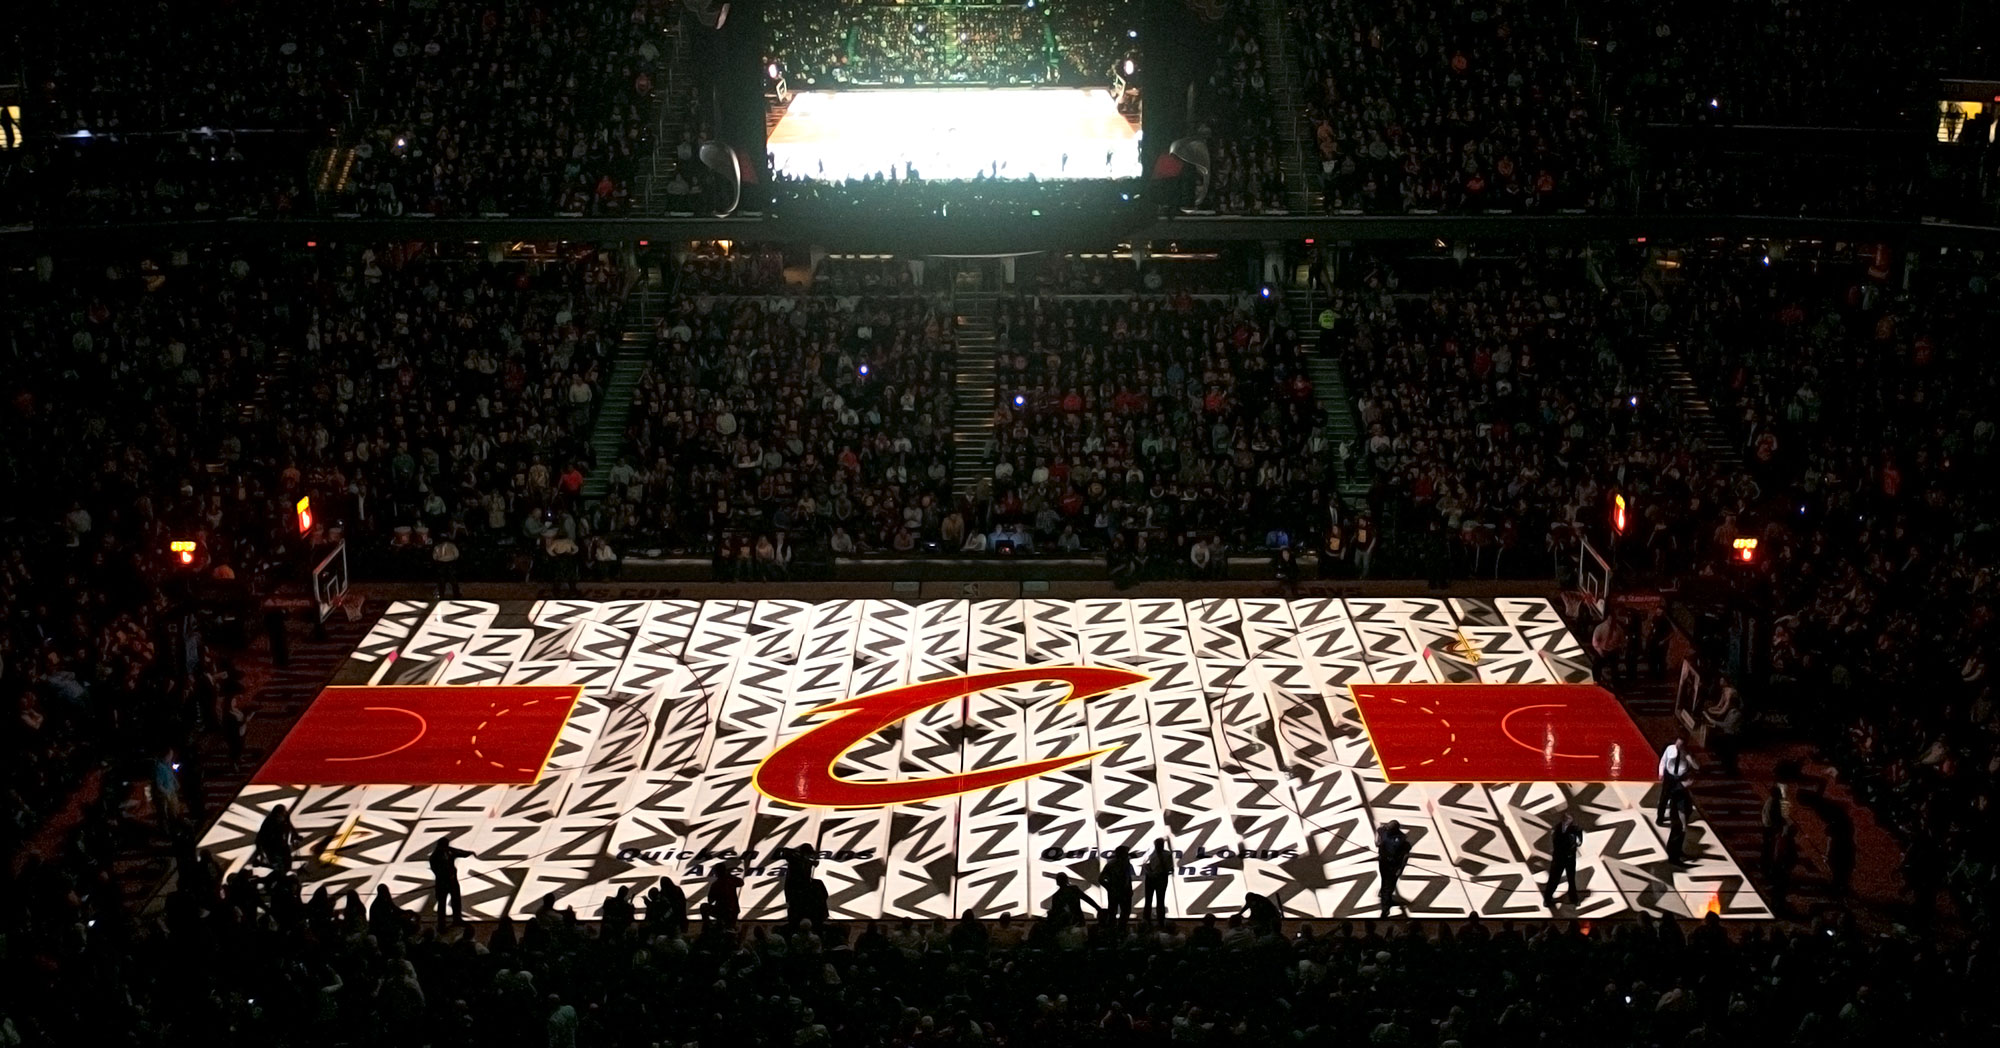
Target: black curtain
[(732, 59), (1170, 38)]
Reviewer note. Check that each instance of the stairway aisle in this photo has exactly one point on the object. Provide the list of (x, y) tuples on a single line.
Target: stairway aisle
[(1330, 390), (628, 365), (649, 193), (1667, 366), (972, 415), (1301, 174)]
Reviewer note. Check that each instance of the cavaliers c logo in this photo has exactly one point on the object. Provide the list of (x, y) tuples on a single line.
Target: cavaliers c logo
[(801, 771)]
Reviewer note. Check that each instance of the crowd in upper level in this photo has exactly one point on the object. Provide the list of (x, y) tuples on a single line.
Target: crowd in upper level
[(1513, 106), (346, 107)]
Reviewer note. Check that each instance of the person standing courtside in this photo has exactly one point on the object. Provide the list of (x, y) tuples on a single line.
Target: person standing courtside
[(1675, 769), (804, 895), (1564, 841), (1116, 880), (1159, 872), (275, 840), (722, 906), (1066, 905), (1392, 853), (444, 879)]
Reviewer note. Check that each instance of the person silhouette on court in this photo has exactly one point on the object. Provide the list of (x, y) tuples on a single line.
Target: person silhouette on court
[(1564, 841)]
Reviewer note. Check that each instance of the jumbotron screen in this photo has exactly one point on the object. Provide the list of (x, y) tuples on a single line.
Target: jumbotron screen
[(955, 133)]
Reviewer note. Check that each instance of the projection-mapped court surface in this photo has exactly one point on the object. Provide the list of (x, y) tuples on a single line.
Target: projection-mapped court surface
[(957, 755)]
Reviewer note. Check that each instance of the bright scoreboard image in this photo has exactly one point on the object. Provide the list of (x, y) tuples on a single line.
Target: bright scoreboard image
[(955, 133), (957, 755)]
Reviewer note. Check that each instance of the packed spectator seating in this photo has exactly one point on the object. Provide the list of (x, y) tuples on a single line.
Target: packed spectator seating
[(1149, 425), (103, 383), (712, 268), (1500, 401), (453, 397), (417, 396), (528, 109), (1863, 412), (179, 175), (782, 422), (956, 199), (1833, 63), (1417, 107), (1116, 272), (230, 963), (1092, 37), (446, 108), (132, 67), (508, 110), (1241, 122), (872, 42), (1713, 180)]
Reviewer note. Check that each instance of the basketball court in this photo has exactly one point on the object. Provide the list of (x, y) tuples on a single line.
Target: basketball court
[(956, 755)]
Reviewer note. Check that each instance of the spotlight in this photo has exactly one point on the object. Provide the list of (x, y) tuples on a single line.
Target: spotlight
[(863, 369), (1129, 67), (771, 70), (1264, 292), (1019, 400)]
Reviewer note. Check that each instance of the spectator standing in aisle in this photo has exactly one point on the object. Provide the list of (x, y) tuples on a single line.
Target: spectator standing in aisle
[(1776, 816), (444, 557), (1365, 541), (1725, 725)]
